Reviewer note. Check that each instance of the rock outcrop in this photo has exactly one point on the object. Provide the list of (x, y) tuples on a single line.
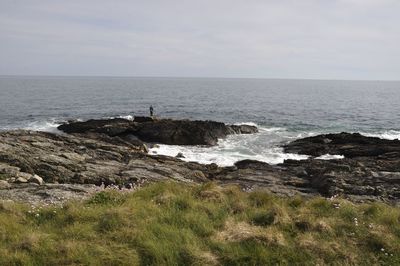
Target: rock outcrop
[(45, 167), (369, 171), (164, 131), (346, 144), (82, 161)]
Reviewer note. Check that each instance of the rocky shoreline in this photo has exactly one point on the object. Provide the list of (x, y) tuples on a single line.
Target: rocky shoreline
[(39, 167)]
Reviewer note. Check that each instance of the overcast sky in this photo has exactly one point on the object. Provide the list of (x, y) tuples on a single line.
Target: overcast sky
[(325, 39)]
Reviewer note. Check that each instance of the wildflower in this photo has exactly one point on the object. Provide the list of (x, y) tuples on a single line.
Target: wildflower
[(355, 222)]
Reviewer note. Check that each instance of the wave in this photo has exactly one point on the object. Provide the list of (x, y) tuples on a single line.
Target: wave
[(388, 134), (221, 158), (45, 126), (128, 117), (263, 146)]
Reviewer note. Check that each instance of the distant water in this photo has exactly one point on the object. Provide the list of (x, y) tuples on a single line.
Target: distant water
[(283, 109)]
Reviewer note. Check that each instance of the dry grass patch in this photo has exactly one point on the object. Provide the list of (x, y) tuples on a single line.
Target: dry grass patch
[(234, 231), (238, 231)]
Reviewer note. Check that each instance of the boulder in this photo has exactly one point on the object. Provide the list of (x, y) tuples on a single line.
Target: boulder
[(4, 184), (198, 176), (36, 179), (244, 129), (21, 180), (252, 164), (180, 155)]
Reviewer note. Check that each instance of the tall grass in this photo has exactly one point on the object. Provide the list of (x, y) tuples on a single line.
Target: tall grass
[(176, 224)]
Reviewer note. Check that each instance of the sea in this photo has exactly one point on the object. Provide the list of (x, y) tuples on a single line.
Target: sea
[(283, 110)]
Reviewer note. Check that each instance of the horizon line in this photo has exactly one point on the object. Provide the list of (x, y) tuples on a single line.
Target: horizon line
[(195, 77)]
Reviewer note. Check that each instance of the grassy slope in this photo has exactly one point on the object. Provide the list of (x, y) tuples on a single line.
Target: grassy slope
[(170, 224)]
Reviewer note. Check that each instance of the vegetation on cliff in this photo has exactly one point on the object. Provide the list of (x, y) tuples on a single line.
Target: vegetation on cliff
[(170, 223)]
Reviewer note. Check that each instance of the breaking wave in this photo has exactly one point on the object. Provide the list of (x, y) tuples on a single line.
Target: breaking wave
[(388, 134), (45, 126), (263, 146)]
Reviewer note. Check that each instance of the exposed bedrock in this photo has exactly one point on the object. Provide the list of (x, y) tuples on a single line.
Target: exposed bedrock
[(164, 131), (38, 166), (352, 178), (370, 169), (68, 163)]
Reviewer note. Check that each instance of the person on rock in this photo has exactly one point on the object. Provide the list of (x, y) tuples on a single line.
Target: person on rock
[(151, 110)]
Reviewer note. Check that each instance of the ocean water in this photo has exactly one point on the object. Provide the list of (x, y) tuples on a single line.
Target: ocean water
[(283, 110)]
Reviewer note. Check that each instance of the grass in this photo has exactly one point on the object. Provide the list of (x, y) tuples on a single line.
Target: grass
[(176, 224)]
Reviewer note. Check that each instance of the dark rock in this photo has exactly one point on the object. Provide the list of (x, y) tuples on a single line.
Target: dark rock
[(252, 164), (182, 132), (141, 119), (354, 178), (110, 127), (347, 144), (180, 155), (244, 129), (165, 131)]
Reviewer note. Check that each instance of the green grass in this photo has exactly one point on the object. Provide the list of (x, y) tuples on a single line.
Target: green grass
[(176, 224)]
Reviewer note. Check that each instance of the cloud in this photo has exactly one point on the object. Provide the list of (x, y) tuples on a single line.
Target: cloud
[(343, 39)]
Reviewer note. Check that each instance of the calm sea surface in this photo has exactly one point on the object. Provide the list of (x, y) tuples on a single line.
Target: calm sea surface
[(283, 109)]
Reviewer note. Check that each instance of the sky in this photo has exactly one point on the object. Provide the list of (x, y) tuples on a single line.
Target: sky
[(310, 39)]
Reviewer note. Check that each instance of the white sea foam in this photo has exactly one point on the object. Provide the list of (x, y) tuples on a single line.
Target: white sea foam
[(46, 126), (263, 146), (128, 117), (246, 123), (388, 134), (216, 155), (329, 157)]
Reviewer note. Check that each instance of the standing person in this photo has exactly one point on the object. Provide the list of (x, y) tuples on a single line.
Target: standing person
[(151, 110)]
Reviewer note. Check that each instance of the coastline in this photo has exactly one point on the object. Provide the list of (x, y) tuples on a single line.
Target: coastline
[(112, 153), (96, 197)]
